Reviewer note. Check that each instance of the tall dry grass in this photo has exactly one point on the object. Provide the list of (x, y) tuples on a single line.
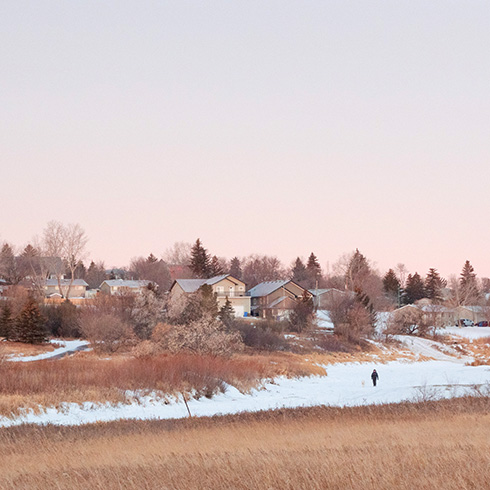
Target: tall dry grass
[(430, 445), (49, 383)]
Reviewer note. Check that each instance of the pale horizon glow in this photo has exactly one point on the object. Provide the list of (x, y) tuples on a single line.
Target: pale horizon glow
[(260, 127)]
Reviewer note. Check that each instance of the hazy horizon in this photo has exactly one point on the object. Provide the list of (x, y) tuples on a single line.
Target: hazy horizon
[(260, 127)]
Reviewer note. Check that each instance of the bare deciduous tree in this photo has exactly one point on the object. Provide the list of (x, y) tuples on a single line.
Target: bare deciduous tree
[(178, 254), (65, 242)]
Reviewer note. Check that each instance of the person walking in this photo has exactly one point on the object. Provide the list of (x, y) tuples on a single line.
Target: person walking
[(374, 377)]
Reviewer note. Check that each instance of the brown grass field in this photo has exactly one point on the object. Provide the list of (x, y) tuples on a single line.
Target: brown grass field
[(431, 445), (80, 379)]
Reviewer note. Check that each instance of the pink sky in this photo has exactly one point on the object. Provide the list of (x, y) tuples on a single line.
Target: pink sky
[(271, 127)]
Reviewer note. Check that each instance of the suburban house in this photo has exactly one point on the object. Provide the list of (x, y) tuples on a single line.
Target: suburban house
[(224, 286), (77, 290), (324, 298), (473, 313), (123, 286), (275, 299)]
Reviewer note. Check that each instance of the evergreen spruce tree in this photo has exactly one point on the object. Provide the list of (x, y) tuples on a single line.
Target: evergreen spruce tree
[(151, 259), (434, 284), (227, 313), (236, 268), (302, 315), (313, 270), (391, 284), (30, 325), (469, 290), (298, 272), (209, 302), (200, 263), (365, 301), (6, 322), (215, 268), (414, 289), (8, 265)]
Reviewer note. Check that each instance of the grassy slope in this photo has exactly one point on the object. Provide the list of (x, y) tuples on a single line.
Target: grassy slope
[(441, 444)]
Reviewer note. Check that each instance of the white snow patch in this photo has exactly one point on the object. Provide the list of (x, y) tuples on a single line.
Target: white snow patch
[(432, 349), (466, 332), (323, 320)]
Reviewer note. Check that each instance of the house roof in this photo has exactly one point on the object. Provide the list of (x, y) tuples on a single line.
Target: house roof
[(319, 292), (268, 287), (133, 284), (474, 309), (65, 282), (192, 285)]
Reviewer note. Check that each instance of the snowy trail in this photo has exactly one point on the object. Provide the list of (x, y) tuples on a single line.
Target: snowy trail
[(345, 385), (432, 349), (68, 347)]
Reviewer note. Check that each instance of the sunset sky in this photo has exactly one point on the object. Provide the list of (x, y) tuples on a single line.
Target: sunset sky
[(274, 127)]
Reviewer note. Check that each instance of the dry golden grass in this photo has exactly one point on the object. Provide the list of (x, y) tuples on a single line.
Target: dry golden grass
[(21, 349), (433, 445), (80, 379)]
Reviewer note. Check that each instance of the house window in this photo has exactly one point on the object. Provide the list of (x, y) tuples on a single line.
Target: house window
[(220, 289)]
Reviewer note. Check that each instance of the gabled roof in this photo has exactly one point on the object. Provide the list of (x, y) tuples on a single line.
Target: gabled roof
[(133, 284), (192, 285), (65, 282), (268, 287)]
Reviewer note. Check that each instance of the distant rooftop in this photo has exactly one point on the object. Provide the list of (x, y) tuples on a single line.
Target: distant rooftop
[(268, 287), (192, 285), (65, 282), (127, 283)]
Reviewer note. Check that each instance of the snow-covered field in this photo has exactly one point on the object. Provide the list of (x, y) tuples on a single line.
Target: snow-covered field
[(447, 374), (344, 385), (66, 346), (466, 332)]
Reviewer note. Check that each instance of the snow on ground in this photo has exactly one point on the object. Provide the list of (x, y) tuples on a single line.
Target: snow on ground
[(323, 320), (345, 385), (66, 346), (466, 332), (382, 319), (432, 349)]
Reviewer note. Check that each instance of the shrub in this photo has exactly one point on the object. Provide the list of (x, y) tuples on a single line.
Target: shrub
[(408, 322), (146, 349), (204, 336), (106, 331), (332, 343), (260, 337), (62, 320)]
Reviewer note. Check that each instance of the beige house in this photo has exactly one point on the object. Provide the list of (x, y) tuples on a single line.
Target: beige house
[(77, 290), (224, 286), (122, 286), (276, 299), (473, 313)]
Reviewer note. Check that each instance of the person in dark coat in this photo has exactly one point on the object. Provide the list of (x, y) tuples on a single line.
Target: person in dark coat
[(374, 377)]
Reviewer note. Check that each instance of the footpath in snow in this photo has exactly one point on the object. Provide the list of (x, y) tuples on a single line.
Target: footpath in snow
[(344, 385)]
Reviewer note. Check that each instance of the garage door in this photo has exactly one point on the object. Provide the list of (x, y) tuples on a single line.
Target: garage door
[(239, 310)]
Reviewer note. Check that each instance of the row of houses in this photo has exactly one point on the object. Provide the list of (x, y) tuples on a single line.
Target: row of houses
[(77, 289), (446, 316), (270, 299)]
